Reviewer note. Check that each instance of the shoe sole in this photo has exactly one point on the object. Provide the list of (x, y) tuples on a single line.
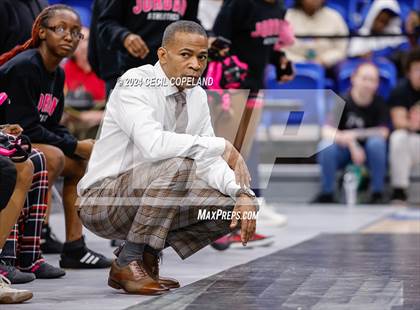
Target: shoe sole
[(16, 298), (78, 265), (117, 286)]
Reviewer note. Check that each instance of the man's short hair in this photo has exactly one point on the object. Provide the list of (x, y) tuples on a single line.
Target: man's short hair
[(412, 57), (185, 26)]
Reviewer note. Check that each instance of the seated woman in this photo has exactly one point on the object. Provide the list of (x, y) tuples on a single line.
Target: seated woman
[(383, 18), (360, 138), (311, 17), (21, 260), (31, 76)]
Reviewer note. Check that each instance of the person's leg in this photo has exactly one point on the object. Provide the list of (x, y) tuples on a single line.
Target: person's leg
[(9, 216), (400, 159), (375, 148), (8, 219), (55, 165), (75, 253), (331, 159)]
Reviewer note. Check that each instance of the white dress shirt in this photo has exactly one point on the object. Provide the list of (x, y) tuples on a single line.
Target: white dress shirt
[(139, 125)]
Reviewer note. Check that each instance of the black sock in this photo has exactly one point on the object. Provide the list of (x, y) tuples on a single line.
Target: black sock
[(130, 252), (152, 251), (75, 249)]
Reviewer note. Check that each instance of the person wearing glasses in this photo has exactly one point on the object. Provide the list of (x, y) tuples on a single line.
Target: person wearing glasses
[(30, 74)]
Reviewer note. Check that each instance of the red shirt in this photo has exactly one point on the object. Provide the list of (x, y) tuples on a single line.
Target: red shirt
[(76, 78)]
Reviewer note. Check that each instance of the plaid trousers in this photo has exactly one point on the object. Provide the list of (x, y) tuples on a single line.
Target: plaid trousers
[(156, 204), (23, 243)]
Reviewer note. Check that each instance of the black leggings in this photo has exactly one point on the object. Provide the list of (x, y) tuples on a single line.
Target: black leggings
[(7, 180)]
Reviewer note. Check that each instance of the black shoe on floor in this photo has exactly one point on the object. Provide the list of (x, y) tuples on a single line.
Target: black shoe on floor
[(49, 242), (43, 270), (77, 256), (324, 198), (14, 275), (376, 198), (399, 195)]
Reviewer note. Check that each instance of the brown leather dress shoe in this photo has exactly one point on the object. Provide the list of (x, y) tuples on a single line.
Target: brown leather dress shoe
[(134, 279), (151, 263)]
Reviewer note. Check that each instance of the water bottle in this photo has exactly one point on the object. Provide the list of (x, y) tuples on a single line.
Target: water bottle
[(350, 184)]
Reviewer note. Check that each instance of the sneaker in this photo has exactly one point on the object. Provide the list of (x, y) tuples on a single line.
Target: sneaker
[(257, 240), (268, 215), (324, 198), (399, 195), (49, 242), (43, 270), (10, 295), (87, 259), (14, 275), (376, 198)]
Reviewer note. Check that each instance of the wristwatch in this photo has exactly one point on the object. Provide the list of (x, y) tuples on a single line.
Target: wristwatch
[(245, 191)]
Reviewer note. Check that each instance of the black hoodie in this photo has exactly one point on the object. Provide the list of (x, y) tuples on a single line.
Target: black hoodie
[(36, 100), (16, 19), (122, 17)]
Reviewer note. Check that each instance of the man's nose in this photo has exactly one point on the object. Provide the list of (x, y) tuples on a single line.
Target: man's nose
[(195, 64)]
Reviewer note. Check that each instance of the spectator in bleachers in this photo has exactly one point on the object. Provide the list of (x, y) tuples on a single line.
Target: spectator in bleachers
[(85, 93), (360, 138), (16, 19), (31, 76), (15, 181), (405, 116), (79, 74), (383, 18), (135, 28), (312, 17)]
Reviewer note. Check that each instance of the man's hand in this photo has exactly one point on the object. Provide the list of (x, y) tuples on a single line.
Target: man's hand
[(358, 155), (136, 46), (244, 205), (237, 163), (14, 129), (84, 148), (345, 137)]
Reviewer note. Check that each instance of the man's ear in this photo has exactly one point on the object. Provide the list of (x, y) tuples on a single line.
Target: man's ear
[(162, 55), (42, 33)]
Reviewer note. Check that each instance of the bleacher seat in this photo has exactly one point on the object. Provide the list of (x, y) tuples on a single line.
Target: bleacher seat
[(387, 71), (309, 76)]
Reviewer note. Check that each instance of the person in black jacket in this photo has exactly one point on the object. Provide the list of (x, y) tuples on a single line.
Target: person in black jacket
[(135, 29), (16, 19), (31, 76), (104, 62)]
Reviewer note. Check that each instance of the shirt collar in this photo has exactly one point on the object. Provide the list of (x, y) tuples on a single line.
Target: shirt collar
[(168, 89)]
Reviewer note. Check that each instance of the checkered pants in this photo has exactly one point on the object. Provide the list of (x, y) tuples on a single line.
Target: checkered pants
[(23, 243), (156, 204)]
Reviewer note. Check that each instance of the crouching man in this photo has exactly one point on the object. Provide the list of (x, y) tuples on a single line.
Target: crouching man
[(157, 163)]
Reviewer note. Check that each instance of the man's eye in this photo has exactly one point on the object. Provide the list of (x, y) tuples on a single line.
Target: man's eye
[(202, 57), (185, 55)]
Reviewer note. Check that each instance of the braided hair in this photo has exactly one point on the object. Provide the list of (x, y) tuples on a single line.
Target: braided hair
[(40, 21)]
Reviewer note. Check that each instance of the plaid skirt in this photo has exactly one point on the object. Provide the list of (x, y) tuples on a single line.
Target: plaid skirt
[(24, 242), (157, 204)]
